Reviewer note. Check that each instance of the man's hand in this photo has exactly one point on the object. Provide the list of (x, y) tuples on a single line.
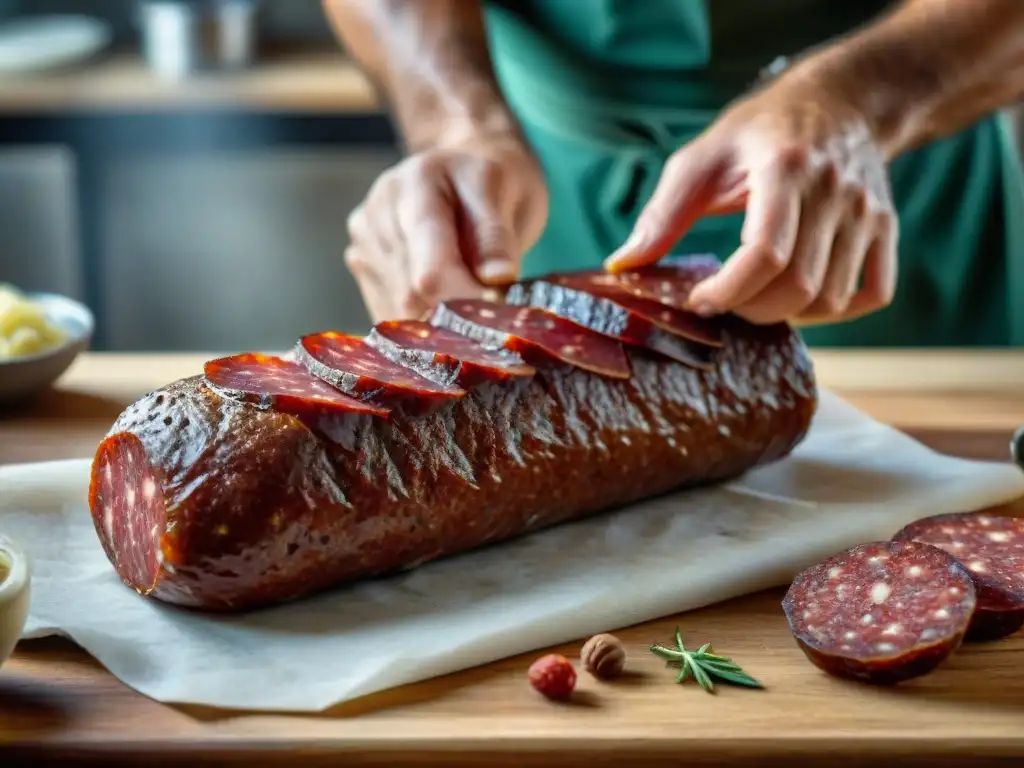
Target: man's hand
[(446, 223), (820, 233), (806, 159)]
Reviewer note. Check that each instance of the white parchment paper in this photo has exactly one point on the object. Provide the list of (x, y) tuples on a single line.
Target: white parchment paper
[(852, 480)]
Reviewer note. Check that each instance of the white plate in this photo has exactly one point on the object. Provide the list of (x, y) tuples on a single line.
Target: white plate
[(45, 42)]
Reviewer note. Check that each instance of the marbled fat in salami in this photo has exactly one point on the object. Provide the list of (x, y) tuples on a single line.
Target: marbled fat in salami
[(283, 385), (445, 356), (127, 502), (882, 612), (991, 548), (359, 370), (534, 335)]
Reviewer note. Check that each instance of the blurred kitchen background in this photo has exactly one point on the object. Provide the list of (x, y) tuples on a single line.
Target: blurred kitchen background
[(190, 182)]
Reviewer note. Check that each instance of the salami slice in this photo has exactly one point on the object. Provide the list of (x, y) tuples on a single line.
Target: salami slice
[(991, 548), (676, 321), (283, 385), (882, 612), (359, 370), (536, 336), (609, 317), (444, 356), (127, 502), (670, 281)]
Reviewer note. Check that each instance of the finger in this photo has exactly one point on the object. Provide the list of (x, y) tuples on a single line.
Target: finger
[(799, 286), (684, 191), (768, 238), (845, 263), (488, 241), (878, 281), (375, 297), (434, 261)]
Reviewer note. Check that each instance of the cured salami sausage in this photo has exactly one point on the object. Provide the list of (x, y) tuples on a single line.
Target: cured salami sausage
[(991, 548), (359, 370), (282, 385), (592, 310), (533, 334), (224, 503), (444, 356), (882, 612)]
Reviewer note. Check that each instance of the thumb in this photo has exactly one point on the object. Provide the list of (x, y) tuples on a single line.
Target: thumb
[(488, 243), (683, 194)]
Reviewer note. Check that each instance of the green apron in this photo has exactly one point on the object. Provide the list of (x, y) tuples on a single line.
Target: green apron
[(606, 90)]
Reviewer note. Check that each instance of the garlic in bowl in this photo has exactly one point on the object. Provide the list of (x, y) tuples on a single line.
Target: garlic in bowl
[(41, 334), (14, 595)]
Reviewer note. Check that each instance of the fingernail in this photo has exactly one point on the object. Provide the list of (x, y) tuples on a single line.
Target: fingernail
[(635, 242), (497, 272)]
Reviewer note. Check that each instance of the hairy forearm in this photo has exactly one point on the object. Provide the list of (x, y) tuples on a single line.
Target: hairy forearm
[(429, 60), (927, 69)]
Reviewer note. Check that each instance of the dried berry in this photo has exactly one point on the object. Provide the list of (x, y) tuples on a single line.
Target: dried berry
[(603, 656), (553, 675)]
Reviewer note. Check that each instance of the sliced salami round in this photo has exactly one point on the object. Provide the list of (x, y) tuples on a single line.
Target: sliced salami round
[(882, 612), (359, 370), (127, 501), (283, 385), (670, 281), (991, 548), (674, 320), (444, 356), (592, 310), (535, 335)]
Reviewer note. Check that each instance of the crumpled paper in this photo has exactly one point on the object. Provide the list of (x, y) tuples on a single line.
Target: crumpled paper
[(852, 480)]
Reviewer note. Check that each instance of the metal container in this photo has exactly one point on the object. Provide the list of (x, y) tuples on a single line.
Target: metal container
[(185, 37)]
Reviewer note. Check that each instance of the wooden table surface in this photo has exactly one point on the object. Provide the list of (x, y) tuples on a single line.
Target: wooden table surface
[(56, 702)]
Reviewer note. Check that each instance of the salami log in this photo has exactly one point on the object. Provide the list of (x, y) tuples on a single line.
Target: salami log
[(357, 369), (444, 356), (535, 335), (991, 548), (283, 385), (592, 309), (214, 503), (883, 612)]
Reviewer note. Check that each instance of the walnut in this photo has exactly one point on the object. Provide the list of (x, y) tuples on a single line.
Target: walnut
[(603, 656)]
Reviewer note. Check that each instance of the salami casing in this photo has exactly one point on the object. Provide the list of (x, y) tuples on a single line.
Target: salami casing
[(211, 502), (883, 612), (991, 548)]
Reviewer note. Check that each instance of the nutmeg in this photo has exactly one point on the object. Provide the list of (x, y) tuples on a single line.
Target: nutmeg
[(603, 656)]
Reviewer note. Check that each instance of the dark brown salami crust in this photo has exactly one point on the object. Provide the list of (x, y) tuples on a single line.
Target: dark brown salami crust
[(991, 548), (444, 356), (881, 613), (259, 507), (608, 317)]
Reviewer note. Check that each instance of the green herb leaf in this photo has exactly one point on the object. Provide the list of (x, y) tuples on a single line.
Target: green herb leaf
[(703, 665)]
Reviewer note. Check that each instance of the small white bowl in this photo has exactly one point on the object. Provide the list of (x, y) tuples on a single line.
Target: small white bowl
[(24, 377), (15, 587)]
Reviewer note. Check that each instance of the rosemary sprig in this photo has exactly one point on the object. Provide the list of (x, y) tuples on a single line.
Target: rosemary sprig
[(703, 665)]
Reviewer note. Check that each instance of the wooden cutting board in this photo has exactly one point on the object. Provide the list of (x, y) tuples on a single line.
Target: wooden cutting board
[(56, 702), (57, 705)]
